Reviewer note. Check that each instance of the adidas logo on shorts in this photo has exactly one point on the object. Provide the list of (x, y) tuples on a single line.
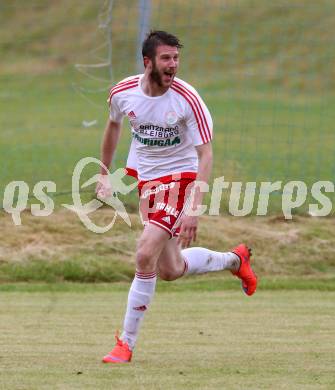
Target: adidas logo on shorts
[(167, 219)]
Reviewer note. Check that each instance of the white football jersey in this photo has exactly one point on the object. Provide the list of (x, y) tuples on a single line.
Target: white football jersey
[(165, 128)]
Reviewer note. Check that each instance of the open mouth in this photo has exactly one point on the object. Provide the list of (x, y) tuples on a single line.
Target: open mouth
[(169, 75)]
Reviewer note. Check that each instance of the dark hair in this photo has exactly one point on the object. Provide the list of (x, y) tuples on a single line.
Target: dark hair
[(157, 38)]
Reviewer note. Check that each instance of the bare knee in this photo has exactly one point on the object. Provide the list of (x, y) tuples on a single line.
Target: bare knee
[(144, 260), (170, 274)]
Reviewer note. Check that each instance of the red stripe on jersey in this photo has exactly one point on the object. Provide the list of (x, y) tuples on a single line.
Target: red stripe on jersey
[(121, 84), (200, 110), (125, 82), (193, 109), (122, 88), (196, 99)]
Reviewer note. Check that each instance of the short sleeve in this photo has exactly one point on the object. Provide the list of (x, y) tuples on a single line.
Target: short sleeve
[(198, 120), (132, 159), (115, 113)]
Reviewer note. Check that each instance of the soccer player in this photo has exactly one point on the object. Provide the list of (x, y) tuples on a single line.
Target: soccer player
[(171, 150)]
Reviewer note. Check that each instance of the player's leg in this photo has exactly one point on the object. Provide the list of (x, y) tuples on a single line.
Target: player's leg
[(150, 245), (171, 264), (174, 262), (201, 260)]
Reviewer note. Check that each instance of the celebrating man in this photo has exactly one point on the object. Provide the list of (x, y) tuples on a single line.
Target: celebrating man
[(171, 151)]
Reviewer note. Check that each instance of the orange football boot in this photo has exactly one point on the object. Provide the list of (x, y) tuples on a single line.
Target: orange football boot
[(120, 353), (245, 272)]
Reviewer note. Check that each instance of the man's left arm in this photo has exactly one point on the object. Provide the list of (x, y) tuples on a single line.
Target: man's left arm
[(188, 229)]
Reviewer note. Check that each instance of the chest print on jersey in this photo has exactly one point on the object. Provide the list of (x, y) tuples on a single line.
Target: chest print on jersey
[(155, 135), (165, 132), (171, 118)]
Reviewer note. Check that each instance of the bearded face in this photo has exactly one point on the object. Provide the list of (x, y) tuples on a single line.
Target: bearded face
[(156, 75), (164, 66)]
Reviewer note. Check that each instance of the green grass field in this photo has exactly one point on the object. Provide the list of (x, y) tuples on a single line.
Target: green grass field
[(189, 340)]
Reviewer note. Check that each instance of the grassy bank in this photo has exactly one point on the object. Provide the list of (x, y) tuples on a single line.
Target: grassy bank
[(59, 248)]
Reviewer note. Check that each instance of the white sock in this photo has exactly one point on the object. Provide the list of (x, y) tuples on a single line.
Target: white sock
[(202, 260), (139, 297)]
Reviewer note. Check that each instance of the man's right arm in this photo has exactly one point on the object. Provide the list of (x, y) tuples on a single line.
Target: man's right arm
[(108, 146), (109, 143)]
